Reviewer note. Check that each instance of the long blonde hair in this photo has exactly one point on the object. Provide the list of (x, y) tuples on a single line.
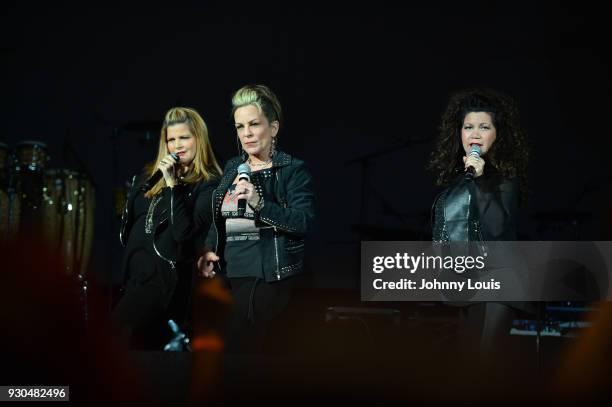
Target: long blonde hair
[(204, 165)]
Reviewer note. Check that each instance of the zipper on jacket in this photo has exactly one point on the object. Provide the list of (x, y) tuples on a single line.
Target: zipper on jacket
[(215, 225), (467, 224), (278, 276), (483, 245), (477, 227), (171, 207), (172, 263)]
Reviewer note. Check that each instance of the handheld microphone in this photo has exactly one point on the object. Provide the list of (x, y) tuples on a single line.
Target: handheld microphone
[(474, 152), (180, 342), (244, 173), (153, 179)]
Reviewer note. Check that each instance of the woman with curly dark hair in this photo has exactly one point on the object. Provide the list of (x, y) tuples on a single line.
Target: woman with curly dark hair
[(488, 121), (481, 158)]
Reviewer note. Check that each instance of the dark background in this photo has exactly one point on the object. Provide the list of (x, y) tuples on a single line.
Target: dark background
[(359, 82)]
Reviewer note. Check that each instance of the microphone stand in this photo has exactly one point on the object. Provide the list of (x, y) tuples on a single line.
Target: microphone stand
[(114, 165), (364, 162), (81, 167)]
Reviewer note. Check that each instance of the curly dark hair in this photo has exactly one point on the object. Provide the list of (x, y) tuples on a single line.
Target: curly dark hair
[(509, 153)]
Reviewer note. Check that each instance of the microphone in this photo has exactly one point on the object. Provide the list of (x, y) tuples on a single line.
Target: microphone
[(474, 152), (180, 342), (244, 173), (153, 179)]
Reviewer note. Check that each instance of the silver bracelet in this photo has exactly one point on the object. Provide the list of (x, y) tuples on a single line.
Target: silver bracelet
[(259, 205)]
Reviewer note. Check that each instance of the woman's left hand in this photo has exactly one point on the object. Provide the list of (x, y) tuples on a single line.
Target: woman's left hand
[(246, 190), (205, 264)]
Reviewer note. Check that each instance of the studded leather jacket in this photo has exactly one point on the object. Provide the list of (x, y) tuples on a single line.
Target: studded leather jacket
[(288, 208)]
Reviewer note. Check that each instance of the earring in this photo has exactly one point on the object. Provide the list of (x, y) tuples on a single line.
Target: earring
[(273, 147)]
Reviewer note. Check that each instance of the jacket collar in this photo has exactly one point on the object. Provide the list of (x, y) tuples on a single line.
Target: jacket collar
[(280, 159)]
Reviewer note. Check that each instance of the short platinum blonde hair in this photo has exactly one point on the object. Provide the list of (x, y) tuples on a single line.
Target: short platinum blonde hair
[(260, 96)]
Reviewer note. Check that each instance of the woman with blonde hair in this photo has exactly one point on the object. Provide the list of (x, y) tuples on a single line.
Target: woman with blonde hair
[(259, 248), (167, 211)]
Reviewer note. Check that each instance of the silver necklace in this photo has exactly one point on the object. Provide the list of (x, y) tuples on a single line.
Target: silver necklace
[(260, 164), (149, 219)]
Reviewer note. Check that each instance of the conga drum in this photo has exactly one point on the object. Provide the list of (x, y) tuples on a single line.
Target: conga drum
[(27, 165), (29, 161), (68, 217), (10, 215), (4, 155), (31, 156)]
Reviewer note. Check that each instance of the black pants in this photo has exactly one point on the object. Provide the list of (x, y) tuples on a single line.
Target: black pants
[(141, 315), (487, 327), (256, 303)]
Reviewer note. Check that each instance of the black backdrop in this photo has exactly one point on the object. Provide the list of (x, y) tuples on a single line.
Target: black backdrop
[(362, 89)]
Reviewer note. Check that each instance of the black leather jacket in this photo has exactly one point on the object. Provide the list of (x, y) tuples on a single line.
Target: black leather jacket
[(186, 216), (288, 208), (483, 209)]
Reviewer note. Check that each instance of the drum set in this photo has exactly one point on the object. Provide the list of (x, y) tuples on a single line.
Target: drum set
[(55, 205)]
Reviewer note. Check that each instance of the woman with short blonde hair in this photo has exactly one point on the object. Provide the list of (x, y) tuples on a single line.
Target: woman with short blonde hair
[(259, 247)]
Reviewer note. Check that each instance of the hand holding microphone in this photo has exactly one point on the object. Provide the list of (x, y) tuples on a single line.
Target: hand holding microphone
[(245, 191), (474, 165), (167, 166), (166, 169)]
